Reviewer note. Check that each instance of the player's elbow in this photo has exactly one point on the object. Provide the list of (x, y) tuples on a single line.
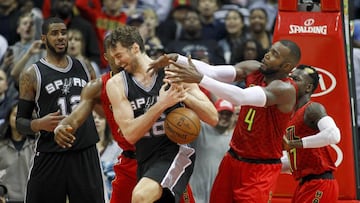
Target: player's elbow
[(336, 136)]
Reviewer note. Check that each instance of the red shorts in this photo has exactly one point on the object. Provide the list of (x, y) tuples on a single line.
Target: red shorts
[(125, 180), (243, 182), (317, 190)]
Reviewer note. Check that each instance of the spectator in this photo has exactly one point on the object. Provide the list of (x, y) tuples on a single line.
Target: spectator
[(3, 47), (235, 36), (3, 193), (16, 151), (64, 10), (191, 40), (151, 40), (103, 20), (173, 24), (271, 9), (251, 50), (210, 146), (8, 95), (76, 49), (28, 50), (212, 28), (9, 15), (108, 150), (257, 30)]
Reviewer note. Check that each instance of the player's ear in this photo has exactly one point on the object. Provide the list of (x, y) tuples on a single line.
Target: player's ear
[(135, 48), (106, 56)]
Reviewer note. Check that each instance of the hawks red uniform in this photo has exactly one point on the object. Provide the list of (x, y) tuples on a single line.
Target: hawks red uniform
[(250, 169), (125, 170), (312, 167)]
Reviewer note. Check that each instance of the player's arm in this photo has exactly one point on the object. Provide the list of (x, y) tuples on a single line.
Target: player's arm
[(133, 128), (225, 73), (27, 91), (90, 96), (200, 104), (317, 118)]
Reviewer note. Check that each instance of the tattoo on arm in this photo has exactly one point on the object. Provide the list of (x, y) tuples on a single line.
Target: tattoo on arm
[(27, 85)]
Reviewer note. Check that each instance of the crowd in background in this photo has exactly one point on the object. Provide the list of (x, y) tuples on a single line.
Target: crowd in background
[(215, 31)]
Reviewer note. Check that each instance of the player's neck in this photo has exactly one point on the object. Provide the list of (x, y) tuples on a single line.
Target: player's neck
[(58, 61)]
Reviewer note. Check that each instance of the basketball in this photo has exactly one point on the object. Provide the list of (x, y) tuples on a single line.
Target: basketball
[(182, 125)]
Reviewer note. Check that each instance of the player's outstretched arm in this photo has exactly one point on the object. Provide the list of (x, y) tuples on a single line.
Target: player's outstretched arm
[(90, 95)]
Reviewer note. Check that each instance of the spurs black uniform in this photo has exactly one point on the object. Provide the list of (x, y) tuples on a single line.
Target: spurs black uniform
[(159, 159), (56, 172)]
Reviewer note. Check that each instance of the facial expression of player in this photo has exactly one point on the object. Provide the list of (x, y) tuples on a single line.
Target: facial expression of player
[(275, 59), (56, 39), (123, 57), (302, 80)]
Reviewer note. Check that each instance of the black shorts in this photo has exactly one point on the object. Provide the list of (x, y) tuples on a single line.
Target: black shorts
[(73, 174), (171, 169)]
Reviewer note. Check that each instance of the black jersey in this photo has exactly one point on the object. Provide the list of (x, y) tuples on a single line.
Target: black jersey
[(141, 99), (60, 89)]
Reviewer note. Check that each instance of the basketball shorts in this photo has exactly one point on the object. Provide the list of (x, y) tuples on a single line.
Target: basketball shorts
[(73, 174), (172, 170)]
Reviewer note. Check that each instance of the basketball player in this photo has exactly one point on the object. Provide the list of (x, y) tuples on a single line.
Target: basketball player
[(248, 172), (52, 87), (95, 93), (139, 101), (308, 136)]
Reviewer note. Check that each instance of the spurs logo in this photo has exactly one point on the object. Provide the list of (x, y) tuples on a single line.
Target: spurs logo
[(66, 87)]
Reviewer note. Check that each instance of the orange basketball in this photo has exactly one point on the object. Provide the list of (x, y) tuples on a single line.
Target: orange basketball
[(182, 125)]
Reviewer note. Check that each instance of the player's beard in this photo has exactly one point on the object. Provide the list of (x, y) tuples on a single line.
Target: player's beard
[(267, 71), (53, 50)]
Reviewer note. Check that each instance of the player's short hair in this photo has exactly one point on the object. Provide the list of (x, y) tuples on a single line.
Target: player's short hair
[(48, 22), (312, 72), (127, 36), (295, 52)]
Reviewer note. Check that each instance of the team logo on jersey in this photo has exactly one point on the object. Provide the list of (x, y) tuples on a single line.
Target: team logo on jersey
[(66, 87), (327, 83)]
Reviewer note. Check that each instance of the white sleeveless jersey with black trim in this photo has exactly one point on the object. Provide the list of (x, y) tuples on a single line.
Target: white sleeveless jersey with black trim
[(141, 99), (59, 89)]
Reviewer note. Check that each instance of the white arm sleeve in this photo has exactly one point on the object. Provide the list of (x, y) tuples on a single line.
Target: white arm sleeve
[(285, 167), (254, 96), (329, 134), (223, 73)]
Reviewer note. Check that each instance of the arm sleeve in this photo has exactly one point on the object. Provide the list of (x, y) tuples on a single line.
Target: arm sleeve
[(24, 116), (254, 96), (223, 73), (329, 134)]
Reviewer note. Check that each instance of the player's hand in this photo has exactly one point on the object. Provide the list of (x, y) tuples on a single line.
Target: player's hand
[(50, 121), (177, 73), (170, 95), (63, 136), (161, 62), (286, 143)]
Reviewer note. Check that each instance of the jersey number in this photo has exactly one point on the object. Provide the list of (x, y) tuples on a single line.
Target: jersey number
[(74, 101), (249, 118)]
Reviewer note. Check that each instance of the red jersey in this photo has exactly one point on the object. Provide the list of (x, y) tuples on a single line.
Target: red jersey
[(310, 160), (122, 142), (259, 130), (102, 22)]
